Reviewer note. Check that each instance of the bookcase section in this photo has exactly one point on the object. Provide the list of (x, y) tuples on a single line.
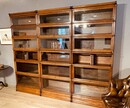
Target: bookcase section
[(92, 51)]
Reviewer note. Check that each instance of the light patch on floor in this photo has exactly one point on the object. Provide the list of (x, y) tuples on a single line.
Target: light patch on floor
[(10, 98)]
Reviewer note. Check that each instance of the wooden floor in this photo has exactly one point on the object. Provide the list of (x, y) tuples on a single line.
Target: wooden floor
[(10, 98)]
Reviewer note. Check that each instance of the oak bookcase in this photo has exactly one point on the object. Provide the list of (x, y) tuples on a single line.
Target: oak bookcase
[(65, 53)]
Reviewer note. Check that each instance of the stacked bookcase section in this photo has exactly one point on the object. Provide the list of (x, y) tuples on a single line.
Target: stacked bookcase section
[(25, 46), (93, 46), (55, 52)]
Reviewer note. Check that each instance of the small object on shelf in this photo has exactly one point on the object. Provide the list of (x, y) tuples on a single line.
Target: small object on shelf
[(61, 43), (26, 56), (19, 33)]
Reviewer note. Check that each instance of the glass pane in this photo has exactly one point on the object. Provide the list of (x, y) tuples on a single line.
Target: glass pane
[(92, 28), (55, 70), (23, 32), (26, 55), (57, 57), (25, 43), (28, 81), (93, 59), (64, 30), (92, 44), (55, 43), (92, 74), (24, 20), (93, 15), (56, 85), (82, 58), (54, 18), (27, 67), (88, 90), (103, 59)]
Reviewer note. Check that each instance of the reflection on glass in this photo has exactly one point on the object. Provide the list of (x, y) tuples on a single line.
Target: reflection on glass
[(57, 57), (54, 18), (55, 70), (88, 90), (93, 15), (92, 28), (24, 20), (23, 32), (56, 85), (25, 43), (28, 81), (93, 59), (55, 43), (92, 74), (55, 30), (62, 43), (26, 55), (27, 67), (91, 44)]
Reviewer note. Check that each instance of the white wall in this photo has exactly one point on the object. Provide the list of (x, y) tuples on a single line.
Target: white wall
[(122, 58)]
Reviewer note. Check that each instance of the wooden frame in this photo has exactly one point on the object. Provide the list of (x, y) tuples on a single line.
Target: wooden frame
[(6, 36)]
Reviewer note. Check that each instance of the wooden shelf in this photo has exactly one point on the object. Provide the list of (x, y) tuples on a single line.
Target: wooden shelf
[(88, 100), (92, 51), (54, 36), (77, 95), (92, 66), (56, 89), (106, 5), (25, 49), (54, 11), (23, 26), (53, 25), (94, 22), (27, 74), (60, 78), (24, 37), (56, 93), (27, 61), (103, 21), (89, 36), (22, 14), (55, 63), (91, 82), (28, 89), (54, 50)]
